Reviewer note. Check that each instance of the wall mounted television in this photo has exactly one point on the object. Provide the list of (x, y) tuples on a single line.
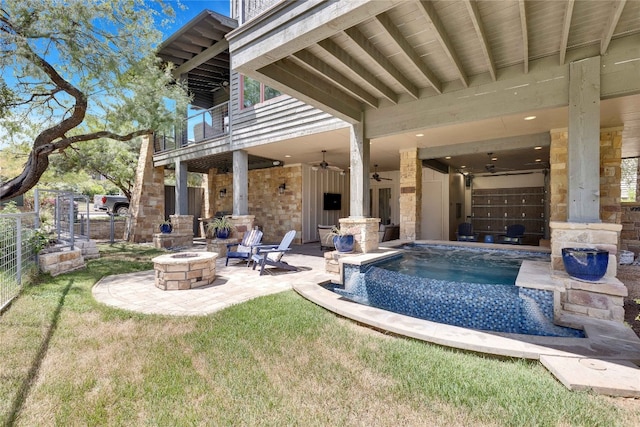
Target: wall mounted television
[(332, 201)]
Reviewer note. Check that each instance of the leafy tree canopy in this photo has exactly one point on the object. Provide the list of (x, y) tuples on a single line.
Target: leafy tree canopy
[(80, 71)]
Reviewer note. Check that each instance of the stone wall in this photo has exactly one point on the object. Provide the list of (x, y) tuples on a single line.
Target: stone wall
[(630, 235), (610, 173), (410, 194), (274, 212)]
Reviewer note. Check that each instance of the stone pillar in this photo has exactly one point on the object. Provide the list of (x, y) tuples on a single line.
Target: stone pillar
[(359, 160), (584, 141), (410, 194), (147, 199), (558, 175), (242, 224), (610, 175), (365, 232), (240, 182)]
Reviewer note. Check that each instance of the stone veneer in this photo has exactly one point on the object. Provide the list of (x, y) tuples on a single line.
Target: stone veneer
[(410, 194), (280, 212), (180, 236), (60, 262), (630, 235), (603, 300), (147, 200), (186, 270), (610, 173), (365, 232)]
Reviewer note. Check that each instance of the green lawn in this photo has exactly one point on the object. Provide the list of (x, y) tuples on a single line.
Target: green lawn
[(277, 360)]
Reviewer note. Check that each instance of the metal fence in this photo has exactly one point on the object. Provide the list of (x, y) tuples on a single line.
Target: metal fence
[(18, 260)]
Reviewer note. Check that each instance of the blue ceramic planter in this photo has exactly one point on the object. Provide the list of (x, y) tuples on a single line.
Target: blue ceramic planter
[(222, 233), (585, 264), (165, 228), (343, 243)]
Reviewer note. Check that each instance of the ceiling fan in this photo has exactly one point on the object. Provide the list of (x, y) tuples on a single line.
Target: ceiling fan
[(323, 165), (492, 168), (377, 176)]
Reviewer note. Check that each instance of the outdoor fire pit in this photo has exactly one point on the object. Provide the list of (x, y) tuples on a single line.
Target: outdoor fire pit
[(185, 270)]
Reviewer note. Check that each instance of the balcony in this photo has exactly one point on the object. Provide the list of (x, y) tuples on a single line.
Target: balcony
[(205, 126)]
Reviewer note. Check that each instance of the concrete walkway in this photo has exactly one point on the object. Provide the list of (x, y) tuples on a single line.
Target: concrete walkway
[(604, 362)]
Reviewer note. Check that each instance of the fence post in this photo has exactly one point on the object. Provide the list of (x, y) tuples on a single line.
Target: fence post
[(112, 229), (19, 250)]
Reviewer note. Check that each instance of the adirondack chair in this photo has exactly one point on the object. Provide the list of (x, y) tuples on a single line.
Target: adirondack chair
[(244, 249), (272, 254)]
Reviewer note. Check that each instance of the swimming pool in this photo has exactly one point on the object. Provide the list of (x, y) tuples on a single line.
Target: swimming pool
[(468, 287)]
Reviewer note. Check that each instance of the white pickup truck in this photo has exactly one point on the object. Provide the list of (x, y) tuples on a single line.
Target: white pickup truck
[(118, 205)]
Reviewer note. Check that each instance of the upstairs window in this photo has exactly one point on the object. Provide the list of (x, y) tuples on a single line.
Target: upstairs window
[(254, 92), (629, 180)]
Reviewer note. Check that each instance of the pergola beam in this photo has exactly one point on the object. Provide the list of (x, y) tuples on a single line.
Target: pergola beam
[(611, 24), (525, 35)]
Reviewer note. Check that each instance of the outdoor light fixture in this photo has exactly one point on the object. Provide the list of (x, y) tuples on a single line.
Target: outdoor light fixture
[(282, 187), (223, 193)]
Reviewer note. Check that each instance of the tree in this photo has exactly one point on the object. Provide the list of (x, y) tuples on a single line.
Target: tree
[(81, 71), (89, 157)]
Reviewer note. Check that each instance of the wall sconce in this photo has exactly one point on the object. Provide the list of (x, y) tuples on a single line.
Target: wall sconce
[(282, 187), (223, 193)]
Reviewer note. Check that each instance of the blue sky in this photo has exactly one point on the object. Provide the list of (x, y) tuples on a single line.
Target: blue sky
[(193, 8)]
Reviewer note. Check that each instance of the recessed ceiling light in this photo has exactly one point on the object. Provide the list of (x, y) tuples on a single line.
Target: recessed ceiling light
[(537, 148), (287, 156), (538, 160), (448, 157), (530, 117), (462, 167), (419, 134), (493, 159)]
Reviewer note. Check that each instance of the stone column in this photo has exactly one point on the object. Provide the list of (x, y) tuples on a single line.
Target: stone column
[(147, 199), (610, 175), (410, 194), (365, 232)]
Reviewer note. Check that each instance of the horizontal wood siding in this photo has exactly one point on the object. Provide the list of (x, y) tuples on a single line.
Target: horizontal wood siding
[(280, 118)]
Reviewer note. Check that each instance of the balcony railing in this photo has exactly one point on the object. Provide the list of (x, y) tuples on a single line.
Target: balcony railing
[(203, 126)]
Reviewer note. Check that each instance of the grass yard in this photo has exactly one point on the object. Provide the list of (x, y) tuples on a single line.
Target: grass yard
[(273, 361)]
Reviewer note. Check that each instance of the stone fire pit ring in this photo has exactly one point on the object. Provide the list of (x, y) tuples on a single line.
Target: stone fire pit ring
[(185, 270)]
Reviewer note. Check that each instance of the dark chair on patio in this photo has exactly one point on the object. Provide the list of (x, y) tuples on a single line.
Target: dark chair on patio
[(391, 232), (515, 234), (465, 233)]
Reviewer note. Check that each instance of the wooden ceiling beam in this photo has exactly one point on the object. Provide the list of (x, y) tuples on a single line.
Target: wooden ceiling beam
[(309, 88), (429, 12), (525, 35), (338, 53), (566, 26), (368, 48), (408, 51), (474, 14), (611, 24), (311, 61), (203, 57)]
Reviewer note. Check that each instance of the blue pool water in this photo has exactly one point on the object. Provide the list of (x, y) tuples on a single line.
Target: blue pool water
[(472, 288)]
